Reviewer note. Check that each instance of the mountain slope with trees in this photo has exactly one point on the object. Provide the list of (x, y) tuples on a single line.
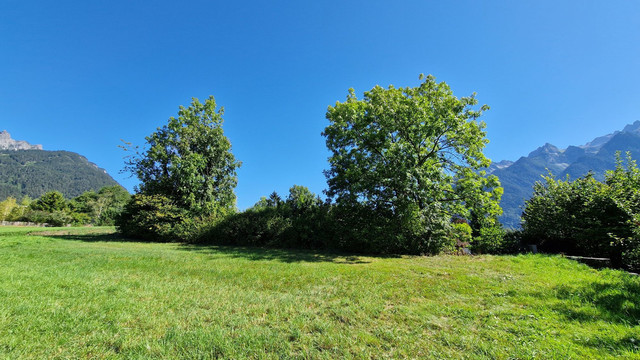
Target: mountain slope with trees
[(34, 172)]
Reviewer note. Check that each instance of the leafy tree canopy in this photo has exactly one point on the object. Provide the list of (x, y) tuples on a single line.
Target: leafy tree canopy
[(412, 153), (101, 207), (6, 207), (189, 161), (50, 201)]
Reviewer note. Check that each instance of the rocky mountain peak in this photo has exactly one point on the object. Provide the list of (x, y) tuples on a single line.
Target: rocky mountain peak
[(632, 128), (7, 143), (594, 145), (547, 150)]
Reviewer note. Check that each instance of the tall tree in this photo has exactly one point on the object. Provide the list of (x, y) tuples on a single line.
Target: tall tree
[(189, 161), (412, 155)]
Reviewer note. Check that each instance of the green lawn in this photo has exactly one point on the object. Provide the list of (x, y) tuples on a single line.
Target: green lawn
[(84, 293)]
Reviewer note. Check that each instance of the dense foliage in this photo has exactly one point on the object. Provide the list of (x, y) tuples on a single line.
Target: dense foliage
[(34, 172), (518, 179), (186, 169), (405, 164), (102, 207), (90, 208), (588, 217), (302, 220), (406, 161), (151, 218)]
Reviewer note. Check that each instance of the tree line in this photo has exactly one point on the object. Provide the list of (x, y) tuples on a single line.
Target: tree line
[(406, 176), (405, 168), (90, 208)]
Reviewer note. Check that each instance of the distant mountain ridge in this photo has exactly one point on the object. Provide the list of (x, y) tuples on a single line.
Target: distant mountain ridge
[(26, 169), (7, 143), (597, 156)]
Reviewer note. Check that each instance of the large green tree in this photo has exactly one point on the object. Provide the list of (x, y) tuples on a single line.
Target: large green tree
[(189, 161), (413, 157)]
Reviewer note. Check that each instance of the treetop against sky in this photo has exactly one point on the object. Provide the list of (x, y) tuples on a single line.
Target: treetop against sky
[(80, 76)]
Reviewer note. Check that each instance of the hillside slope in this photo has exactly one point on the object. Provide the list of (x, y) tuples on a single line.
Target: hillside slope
[(34, 172)]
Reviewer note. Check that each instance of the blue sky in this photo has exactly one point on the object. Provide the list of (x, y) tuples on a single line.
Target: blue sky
[(81, 75)]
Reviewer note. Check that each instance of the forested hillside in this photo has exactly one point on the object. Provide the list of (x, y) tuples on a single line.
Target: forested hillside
[(34, 172)]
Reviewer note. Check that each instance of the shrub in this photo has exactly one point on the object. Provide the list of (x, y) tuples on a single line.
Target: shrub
[(254, 227), (361, 228), (488, 241), (53, 218), (152, 218), (302, 221), (587, 217), (512, 242)]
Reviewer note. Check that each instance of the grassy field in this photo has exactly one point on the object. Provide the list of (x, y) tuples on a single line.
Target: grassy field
[(84, 293)]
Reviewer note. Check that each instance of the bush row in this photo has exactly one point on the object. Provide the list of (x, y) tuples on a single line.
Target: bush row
[(304, 221), (588, 217), (95, 208)]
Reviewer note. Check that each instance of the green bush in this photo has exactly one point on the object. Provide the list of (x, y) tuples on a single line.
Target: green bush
[(587, 217), (302, 221), (488, 241), (54, 218), (629, 254), (153, 218), (512, 242), (360, 228), (254, 227), (317, 225)]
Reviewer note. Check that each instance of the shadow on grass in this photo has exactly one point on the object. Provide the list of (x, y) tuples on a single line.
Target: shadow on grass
[(613, 344), (615, 301), (84, 235), (249, 253), (283, 255)]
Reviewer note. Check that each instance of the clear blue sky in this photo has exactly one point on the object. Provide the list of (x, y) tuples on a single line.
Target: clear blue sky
[(81, 75)]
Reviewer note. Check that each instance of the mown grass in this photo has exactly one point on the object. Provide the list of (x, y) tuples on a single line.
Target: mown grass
[(84, 293)]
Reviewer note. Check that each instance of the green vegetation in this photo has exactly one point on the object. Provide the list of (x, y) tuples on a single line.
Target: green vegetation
[(187, 174), (405, 161), (588, 217), (95, 208), (85, 293), (35, 172), (302, 220)]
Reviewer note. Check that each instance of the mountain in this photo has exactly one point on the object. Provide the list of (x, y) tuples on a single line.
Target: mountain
[(26, 169), (7, 143), (597, 156)]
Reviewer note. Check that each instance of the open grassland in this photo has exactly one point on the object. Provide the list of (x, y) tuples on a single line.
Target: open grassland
[(84, 293)]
